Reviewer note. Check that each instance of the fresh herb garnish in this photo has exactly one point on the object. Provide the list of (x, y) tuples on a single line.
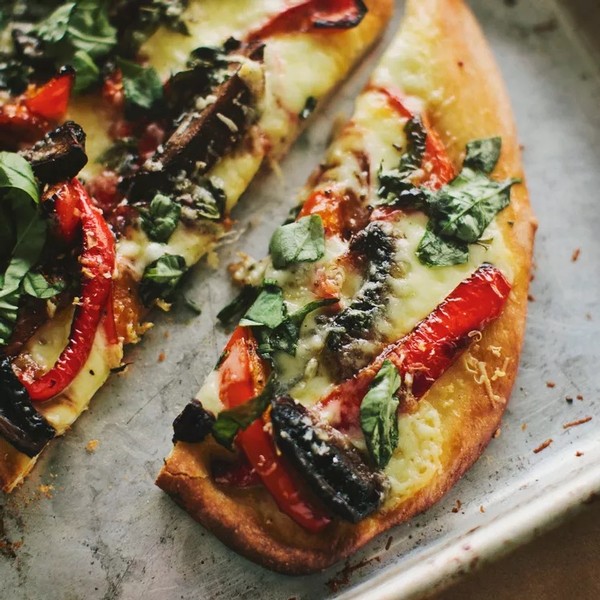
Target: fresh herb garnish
[(238, 306), (436, 251), (309, 107), (268, 309), (161, 277), (36, 285), (483, 155), (230, 421), (142, 86), (20, 245), (378, 418), (161, 219), (79, 34), (121, 156), (286, 335), (301, 241), (202, 196)]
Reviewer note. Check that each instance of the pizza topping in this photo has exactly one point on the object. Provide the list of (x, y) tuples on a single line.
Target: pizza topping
[(313, 15), (378, 418), (161, 277), (348, 330), (160, 220), (301, 241), (59, 155), (142, 87), (331, 466), (22, 235), (97, 261), (193, 424), (423, 355), (20, 423)]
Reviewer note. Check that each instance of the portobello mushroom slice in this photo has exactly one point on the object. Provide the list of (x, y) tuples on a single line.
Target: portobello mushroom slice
[(332, 467), (193, 424), (201, 138), (345, 349), (20, 423), (60, 155)]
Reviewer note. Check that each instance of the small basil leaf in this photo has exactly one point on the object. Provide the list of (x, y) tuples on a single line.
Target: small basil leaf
[(36, 285), (16, 177), (463, 208), (87, 72), (230, 421), (160, 221), (483, 155), (267, 310), (285, 336), (238, 306), (161, 277), (54, 27), (120, 156), (378, 414), (142, 85), (90, 30), (302, 241), (435, 251)]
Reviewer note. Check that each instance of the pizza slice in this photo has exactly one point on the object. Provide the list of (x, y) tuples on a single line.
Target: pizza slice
[(377, 345), (129, 131)]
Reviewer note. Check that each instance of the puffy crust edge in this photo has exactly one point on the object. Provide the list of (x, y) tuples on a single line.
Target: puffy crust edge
[(248, 520)]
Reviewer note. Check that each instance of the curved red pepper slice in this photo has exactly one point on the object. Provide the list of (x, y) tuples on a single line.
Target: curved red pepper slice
[(51, 100), (19, 125), (433, 345), (97, 264), (312, 15), (242, 376)]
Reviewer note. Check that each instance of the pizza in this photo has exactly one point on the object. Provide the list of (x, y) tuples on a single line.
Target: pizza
[(375, 348), (128, 132)]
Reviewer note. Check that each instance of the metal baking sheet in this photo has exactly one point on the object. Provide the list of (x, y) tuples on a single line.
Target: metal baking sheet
[(93, 525)]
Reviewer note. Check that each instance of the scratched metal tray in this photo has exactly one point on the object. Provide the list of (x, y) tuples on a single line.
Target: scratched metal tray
[(91, 525)]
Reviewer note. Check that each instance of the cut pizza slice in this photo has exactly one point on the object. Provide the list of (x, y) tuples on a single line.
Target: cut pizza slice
[(165, 112), (377, 345)]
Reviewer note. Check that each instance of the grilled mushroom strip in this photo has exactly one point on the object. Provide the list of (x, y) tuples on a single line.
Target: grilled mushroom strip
[(20, 423), (60, 155), (201, 138), (344, 345), (193, 424), (332, 466)]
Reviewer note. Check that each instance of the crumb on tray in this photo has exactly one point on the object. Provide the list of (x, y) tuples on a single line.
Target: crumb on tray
[(543, 445)]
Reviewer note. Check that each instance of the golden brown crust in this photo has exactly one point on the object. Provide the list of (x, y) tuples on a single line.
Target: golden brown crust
[(474, 105)]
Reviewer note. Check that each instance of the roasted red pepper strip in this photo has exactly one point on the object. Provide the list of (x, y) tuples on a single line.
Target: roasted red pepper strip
[(433, 345), (312, 15), (18, 125), (328, 205), (97, 264), (51, 100), (242, 376)]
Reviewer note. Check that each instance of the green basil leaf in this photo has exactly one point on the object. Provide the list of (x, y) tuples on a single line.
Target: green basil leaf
[(483, 155), (285, 336), (142, 85), (238, 306), (161, 220), (378, 414), (16, 177), (268, 309), (54, 27), (161, 277), (463, 208), (36, 285), (30, 239), (230, 421), (121, 156), (90, 30), (435, 251), (87, 72), (301, 241)]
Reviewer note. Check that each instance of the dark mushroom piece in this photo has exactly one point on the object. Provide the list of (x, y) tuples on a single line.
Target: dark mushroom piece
[(193, 424), (331, 466), (344, 351), (20, 424), (60, 155)]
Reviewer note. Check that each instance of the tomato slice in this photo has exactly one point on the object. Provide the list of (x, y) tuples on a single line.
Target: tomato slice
[(51, 100)]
